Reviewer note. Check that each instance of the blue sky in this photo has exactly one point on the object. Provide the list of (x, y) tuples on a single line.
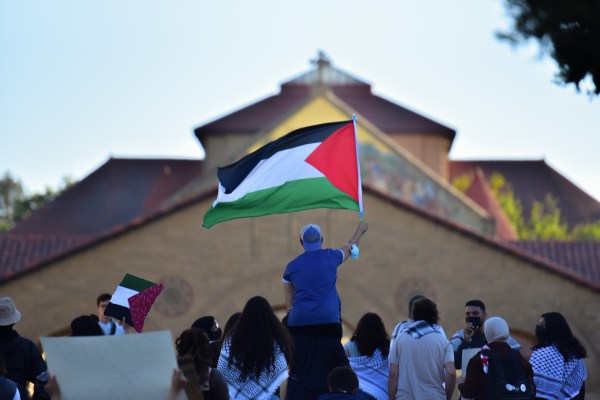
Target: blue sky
[(82, 81)]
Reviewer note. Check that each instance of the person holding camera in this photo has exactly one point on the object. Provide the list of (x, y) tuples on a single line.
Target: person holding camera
[(472, 335)]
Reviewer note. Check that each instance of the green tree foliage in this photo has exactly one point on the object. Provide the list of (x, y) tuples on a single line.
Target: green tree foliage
[(590, 231), (544, 222), (11, 191), (16, 205), (511, 206), (567, 30), (463, 182)]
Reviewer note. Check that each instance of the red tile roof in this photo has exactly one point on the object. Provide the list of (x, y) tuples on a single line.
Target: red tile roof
[(20, 253), (480, 192), (257, 116), (531, 180), (389, 117), (386, 115), (580, 257), (114, 194)]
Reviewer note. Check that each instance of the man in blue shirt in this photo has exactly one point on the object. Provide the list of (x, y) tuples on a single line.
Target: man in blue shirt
[(314, 311)]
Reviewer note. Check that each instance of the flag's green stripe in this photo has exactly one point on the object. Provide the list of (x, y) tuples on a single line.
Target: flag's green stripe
[(134, 283), (302, 194)]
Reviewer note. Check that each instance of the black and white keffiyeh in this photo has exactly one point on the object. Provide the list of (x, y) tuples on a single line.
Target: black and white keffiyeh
[(372, 372), (418, 329), (554, 378), (260, 388)]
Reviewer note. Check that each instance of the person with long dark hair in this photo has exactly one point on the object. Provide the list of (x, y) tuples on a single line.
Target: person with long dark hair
[(255, 358), (557, 360), (229, 326), (367, 352), (195, 343)]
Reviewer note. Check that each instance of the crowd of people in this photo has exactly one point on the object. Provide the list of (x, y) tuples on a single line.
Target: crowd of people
[(256, 353)]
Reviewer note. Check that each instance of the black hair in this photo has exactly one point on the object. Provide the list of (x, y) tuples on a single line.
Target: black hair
[(103, 297), (252, 341), (2, 365), (342, 379), (476, 303), (370, 335), (195, 342), (207, 324), (230, 325), (426, 310), (558, 332), (412, 301), (86, 325)]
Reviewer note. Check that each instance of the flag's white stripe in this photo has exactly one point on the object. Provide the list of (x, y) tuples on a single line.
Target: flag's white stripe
[(281, 167), (121, 295)]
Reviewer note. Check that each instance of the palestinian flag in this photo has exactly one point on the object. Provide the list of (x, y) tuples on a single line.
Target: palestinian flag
[(132, 300), (312, 167)]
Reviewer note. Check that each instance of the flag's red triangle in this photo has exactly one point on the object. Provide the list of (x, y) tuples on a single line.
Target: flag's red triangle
[(140, 304), (336, 159)]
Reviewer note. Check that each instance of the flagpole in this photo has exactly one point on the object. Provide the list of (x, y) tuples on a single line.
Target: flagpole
[(360, 199)]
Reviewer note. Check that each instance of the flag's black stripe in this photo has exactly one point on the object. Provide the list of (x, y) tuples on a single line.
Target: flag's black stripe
[(118, 312), (232, 175)]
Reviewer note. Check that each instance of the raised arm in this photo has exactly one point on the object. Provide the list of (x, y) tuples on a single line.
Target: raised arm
[(361, 229)]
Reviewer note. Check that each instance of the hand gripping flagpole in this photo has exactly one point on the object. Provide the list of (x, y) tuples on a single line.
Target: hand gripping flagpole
[(360, 199)]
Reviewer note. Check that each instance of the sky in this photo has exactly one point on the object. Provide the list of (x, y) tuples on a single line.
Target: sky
[(83, 81)]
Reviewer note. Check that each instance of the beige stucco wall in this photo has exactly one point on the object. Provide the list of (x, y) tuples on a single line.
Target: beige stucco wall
[(431, 150), (223, 147), (215, 271)]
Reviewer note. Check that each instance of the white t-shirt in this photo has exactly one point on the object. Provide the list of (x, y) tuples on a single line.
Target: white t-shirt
[(421, 365), (107, 326)]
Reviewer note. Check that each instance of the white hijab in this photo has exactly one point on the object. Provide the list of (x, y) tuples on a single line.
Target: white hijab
[(496, 330)]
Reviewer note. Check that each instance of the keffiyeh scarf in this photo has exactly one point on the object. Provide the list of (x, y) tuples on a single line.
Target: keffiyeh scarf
[(260, 388), (372, 372), (554, 378), (418, 329)]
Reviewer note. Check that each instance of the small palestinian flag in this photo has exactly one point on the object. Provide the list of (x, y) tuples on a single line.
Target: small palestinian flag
[(132, 300), (312, 167)]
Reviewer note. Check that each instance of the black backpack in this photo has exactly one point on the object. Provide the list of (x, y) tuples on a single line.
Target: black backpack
[(506, 377)]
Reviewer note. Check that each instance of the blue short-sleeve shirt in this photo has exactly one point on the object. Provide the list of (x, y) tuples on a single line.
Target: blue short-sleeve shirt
[(313, 274)]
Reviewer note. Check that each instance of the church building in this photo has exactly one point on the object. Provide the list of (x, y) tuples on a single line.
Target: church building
[(144, 217)]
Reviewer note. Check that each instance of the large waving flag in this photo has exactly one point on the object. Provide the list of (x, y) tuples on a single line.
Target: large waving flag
[(312, 167)]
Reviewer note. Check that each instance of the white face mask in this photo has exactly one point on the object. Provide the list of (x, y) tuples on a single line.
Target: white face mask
[(354, 251)]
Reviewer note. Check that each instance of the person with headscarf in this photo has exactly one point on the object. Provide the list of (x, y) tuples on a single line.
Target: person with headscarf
[(557, 360), (497, 333)]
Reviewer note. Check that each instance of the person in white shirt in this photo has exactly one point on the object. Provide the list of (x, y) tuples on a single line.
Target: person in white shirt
[(108, 325)]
